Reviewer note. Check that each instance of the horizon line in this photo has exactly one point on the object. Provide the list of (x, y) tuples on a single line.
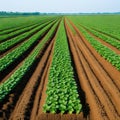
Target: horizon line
[(60, 12)]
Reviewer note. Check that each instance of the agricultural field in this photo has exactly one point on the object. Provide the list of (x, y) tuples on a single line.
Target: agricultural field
[(60, 67)]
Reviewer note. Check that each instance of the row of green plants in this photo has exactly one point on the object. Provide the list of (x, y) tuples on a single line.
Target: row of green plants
[(18, 32), (108, 33), (9, 24), (13, 55), (7, 86), (106, 38), (16, 29), (62, 92), (107, 24), (103, 50), (9, 43), (22, 26)]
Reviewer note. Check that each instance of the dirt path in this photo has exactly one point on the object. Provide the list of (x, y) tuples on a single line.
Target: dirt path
[(101, 84)]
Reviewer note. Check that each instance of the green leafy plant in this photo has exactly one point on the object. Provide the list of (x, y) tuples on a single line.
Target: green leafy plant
[(15, 78), (62, 88)]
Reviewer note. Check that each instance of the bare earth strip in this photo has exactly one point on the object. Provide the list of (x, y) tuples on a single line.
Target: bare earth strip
[(110, 70)]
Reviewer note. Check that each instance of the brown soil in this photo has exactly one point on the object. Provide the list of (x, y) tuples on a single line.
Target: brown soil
[(102, 90), (104, 63), (41, 95)]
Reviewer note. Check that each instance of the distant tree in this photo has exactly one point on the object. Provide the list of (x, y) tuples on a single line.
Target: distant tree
[(4, 13)]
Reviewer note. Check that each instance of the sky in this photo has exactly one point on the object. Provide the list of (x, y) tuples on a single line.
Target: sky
[(60, 6)]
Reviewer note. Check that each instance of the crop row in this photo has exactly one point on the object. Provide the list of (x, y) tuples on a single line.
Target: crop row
[(22, 26), (11, 23), (106, 38), (108, 33), (109, 30), (15, 29), (15, 33), (12, 56), (62, 93), (18, 32), (15, 78), (9, 43), (104, 51), (107, 24)]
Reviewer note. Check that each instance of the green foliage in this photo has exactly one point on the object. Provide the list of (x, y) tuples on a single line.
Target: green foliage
[(13, 55), (31, 31), (15, 78), (108, 24), (104, 51), (11, 24), (106, 38), (61, 90)]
